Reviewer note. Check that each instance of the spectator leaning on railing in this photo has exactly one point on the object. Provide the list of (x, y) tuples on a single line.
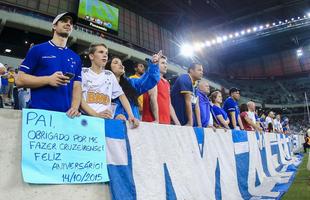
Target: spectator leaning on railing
[(231, 108), (133, 87), (100, 86), (262, 121), (204, 104), (220, 116), (184, 98), (277, 124), (156, 102), (269, 122), (251, 111), (247, 121), (53, 71), (285, 125)]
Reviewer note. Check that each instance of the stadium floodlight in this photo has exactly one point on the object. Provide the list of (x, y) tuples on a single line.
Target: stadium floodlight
[(8, 50), (286, 21), (208, 43), (224, 38), (280, 22), (187, 50), (198, 46), (308, 14), (213, 41), (236, 34), (273, 24), (267, 25), (242, 32), (293, 19), (254, 28), (249, 31), (231, 35), (299, 52), (261, 27), (305, 16), (219, 40), (298, 18)]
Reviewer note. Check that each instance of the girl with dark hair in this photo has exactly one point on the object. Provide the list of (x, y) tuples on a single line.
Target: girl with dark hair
[(133, 87)]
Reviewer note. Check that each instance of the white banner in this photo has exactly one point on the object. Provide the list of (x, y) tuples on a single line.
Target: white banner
[(173, 162)]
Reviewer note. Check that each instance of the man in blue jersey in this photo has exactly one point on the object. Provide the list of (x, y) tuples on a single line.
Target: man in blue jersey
[(53, 72), (184, 98), (231, 108)]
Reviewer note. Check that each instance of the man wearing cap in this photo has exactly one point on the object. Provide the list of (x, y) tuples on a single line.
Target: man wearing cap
[(53, 72), (231, 108)]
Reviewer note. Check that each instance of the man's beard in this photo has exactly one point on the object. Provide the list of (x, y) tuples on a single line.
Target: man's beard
[(63, 34)]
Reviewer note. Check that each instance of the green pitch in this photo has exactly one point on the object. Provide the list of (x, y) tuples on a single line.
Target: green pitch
[(99, 10), (300, 189)]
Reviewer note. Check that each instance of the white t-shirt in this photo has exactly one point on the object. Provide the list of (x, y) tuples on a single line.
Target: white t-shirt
[(278, 125), (268, 121), (251, 115), (99, 89)]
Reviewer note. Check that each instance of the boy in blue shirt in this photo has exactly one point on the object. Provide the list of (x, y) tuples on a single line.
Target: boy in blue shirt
[(53, 72), (184, 96), (231, 108)]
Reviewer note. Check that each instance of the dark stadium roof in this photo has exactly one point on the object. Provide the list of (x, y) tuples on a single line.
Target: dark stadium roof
[(202, 14), (197, 19)]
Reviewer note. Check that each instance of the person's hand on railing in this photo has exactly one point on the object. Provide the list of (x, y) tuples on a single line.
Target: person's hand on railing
[(133, 122), (213, 128)]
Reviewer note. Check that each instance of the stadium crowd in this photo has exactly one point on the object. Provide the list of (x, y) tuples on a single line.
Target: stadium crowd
[(51, 77)]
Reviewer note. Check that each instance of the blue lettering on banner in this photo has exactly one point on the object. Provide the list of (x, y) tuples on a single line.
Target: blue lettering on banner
[(60, 150), (199, 164)]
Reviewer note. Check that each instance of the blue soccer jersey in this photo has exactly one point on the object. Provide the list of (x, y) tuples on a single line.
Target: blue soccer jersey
[(219, 111), (44, 60), (205, 108), (182, 85), (231, 106)]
